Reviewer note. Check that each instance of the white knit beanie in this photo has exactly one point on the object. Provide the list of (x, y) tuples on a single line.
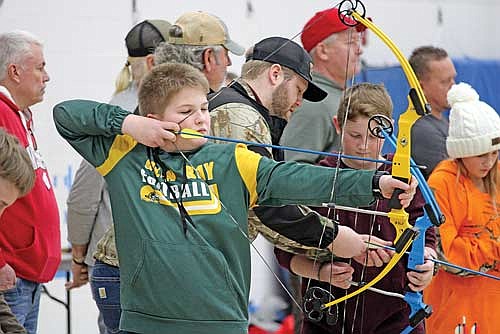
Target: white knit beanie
[(474, 125)]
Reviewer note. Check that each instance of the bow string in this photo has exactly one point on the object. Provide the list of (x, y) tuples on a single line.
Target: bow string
[(432, 217), (417, 106)]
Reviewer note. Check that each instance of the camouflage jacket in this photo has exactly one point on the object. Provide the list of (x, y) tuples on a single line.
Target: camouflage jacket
[(106, 249), (242, 121)]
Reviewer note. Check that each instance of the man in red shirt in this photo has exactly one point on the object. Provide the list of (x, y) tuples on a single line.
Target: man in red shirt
[(29, 237)]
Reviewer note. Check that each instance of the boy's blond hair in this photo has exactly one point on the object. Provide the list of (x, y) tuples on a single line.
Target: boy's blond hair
[(163, 82), (15, 163), (364, 100)]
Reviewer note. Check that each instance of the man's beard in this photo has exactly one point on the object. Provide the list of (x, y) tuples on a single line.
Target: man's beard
[(279, 101)]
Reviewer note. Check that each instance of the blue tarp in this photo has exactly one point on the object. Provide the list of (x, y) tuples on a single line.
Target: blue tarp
[(483, 75)]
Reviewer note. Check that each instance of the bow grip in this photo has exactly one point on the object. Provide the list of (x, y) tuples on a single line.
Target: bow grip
[(394, 202)]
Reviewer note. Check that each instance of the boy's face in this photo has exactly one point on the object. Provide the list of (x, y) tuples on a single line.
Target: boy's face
[(8, 195), (189, 109), (358, 141)]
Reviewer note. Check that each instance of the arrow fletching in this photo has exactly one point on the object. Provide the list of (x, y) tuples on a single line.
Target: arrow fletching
[(189, 134)]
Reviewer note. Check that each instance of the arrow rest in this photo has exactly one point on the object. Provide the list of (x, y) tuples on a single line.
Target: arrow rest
[(314, 299)]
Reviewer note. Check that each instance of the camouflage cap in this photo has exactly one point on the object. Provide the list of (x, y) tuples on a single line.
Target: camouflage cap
[(200, 28)]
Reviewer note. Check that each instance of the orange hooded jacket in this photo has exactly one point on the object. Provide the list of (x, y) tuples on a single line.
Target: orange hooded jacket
[(470, 237)]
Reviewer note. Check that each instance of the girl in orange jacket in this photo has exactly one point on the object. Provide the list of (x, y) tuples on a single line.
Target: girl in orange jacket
[(467, 188)]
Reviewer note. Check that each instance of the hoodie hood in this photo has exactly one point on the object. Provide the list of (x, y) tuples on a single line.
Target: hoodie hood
[(463, 184), (447, 166)]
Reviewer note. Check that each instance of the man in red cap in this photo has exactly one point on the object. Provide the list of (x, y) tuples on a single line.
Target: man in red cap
[(335, 50)]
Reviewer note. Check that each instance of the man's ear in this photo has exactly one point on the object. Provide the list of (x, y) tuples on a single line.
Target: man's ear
[(150, 62), (275, 74), (336, 125), (13, 73), (321, 51), (208, 59)]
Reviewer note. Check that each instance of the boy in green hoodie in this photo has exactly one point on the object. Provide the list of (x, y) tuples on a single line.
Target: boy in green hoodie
[(180, 204)]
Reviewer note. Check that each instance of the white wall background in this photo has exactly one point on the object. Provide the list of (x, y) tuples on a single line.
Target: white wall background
[(84, 49)]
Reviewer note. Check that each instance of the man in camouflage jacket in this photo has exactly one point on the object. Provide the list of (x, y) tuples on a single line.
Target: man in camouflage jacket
[(254, 108)]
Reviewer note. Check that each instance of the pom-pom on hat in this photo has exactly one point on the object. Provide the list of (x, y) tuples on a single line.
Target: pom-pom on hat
[(474, 125)]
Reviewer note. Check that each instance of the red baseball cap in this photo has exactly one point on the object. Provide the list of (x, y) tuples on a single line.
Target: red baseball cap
[(322, 25)]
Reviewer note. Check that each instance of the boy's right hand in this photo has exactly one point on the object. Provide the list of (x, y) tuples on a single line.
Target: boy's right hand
[(348, 243), (338, 274), (374, 256), (150, 132)]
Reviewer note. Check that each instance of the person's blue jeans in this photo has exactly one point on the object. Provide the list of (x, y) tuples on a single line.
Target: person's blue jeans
[(105, 285), (100, 321), (24, 301)]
